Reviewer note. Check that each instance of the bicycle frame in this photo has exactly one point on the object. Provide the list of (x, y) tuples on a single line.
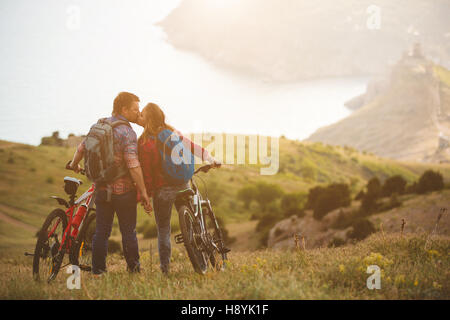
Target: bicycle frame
[(87, 199)]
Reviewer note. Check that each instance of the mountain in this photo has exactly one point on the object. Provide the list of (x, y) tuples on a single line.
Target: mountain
[(404, 115), (291, 40)]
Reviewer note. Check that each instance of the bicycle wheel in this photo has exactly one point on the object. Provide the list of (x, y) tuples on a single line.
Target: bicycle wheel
[(81, 251), (196, 255), (48, 258), (217, 257)]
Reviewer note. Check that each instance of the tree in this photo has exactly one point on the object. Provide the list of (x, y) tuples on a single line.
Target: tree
[(394, 184), (267, 193), (430, 181), (323, 200), (369, 201)]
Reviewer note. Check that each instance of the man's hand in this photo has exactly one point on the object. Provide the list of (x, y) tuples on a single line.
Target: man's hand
[(76, 168), (146, 203)]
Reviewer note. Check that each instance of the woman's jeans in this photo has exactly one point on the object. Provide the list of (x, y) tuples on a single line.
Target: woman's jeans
[(163, 201), (125, 205)]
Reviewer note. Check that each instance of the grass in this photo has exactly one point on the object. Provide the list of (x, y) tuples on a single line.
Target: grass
[(408, 271)]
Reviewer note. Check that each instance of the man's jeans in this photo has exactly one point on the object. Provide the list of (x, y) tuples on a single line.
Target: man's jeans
[(125, 205), (163, 201)]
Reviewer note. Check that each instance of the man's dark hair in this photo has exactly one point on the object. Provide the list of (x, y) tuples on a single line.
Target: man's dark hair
[(123, 100)]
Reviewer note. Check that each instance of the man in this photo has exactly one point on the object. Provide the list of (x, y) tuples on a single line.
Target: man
[(123, 199)]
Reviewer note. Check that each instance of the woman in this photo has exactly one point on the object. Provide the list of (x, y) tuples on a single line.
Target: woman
[(163, 193)]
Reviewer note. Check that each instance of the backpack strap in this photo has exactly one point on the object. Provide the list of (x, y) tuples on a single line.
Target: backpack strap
[(120, 122)]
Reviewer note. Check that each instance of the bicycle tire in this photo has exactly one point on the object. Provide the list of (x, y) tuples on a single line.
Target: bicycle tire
[(81, 251), (196, 256), (44, 252), (217, 259)]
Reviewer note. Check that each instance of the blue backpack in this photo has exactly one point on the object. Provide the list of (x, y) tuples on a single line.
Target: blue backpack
[(177, 160)]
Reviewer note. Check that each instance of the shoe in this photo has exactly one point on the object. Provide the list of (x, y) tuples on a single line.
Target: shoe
[(135, 269)]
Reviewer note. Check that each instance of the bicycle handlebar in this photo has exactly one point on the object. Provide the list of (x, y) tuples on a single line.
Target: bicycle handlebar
[(82, 171), (206, 168)]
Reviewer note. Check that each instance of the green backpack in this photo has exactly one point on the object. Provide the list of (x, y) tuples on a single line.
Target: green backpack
[(99, 153)]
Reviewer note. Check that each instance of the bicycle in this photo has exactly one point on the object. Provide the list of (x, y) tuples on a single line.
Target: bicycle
[(75, 232), (200, 231)]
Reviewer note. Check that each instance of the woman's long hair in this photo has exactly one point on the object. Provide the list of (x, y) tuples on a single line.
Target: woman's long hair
[(155, 122)]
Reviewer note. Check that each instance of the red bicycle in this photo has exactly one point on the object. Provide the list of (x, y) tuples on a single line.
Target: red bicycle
[(64, 232)]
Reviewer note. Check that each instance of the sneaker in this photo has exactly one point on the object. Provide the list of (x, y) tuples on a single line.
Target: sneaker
[(135, 269)]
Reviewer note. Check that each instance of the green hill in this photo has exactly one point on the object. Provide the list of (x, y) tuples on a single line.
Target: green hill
[(29, 175)]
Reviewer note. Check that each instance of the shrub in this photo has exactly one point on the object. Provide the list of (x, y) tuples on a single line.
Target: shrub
[(369, 201), (266, 194), (430, 181), (49, 180), (11, 160), (323, 200), (362, 228), (394, 184), (292, 204)]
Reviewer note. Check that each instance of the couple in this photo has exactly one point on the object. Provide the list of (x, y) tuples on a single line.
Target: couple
[(144, 180)]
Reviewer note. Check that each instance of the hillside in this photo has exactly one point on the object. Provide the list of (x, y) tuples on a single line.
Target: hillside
[(419, 212), (408, 271), (406, 116), (292, 40), (30, 175)]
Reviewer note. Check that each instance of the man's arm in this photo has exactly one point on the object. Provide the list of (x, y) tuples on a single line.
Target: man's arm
[(79, 154), (132, 160)]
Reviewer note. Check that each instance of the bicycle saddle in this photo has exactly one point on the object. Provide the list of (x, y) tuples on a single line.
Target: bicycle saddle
[(71, 185)]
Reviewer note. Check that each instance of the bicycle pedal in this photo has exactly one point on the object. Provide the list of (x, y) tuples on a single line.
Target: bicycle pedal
[(179, 238)]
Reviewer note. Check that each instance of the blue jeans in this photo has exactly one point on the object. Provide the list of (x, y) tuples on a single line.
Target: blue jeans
[(163, 201), (125, 205)]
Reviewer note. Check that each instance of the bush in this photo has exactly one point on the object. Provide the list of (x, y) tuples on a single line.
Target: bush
[(266, 194), (323, 200), (292, 204), (394, 184), (49, 180), (362, 228), (430, 181), (369, 201)]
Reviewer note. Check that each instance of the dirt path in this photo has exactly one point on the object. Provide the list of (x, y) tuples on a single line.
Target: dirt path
[(15, 222)]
